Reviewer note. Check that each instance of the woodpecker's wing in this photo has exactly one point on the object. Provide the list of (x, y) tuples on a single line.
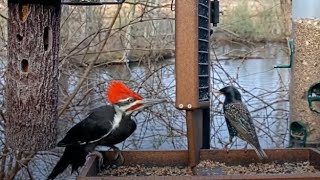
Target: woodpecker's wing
[(240, 118), (97, 125)]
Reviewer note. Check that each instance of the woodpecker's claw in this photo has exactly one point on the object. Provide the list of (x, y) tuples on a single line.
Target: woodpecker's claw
[(118, 158), (100, 158)]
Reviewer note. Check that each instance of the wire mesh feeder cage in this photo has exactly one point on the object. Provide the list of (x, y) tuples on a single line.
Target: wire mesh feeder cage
[(91, 2)]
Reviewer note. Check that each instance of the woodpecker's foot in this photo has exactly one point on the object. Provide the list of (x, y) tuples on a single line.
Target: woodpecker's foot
[(118, 158), (100, 158)]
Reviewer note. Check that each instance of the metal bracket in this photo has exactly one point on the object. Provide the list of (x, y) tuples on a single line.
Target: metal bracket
[(314, 95), (291, 47)]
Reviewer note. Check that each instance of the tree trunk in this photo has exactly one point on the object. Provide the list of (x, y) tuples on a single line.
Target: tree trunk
[(32, 76), (128, 35)]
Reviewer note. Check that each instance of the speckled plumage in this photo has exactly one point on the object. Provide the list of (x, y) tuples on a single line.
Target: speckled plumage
[(239, 119)]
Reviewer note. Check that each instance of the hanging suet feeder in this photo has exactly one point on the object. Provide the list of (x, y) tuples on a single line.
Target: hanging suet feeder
[(298, 134), (314, 98)]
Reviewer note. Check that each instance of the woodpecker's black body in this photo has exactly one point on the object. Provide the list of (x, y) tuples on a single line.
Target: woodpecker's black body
[(239, 120), (106, 125), (85, 136)]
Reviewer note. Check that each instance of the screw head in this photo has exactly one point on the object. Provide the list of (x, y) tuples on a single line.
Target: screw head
[(181, 106), (189, 106)]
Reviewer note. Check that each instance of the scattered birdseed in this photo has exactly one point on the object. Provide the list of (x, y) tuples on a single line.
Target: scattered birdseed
[(146, 171), (260, 168)]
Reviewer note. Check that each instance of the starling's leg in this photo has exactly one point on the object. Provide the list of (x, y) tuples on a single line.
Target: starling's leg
[(118, 157), (245, 147), (99, 155), (226, 145)]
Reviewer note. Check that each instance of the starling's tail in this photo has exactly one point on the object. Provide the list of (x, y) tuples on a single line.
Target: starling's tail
[(74, 156), (260, 152)]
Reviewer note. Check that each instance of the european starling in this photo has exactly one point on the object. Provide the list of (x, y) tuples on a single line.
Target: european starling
[(239, 120)]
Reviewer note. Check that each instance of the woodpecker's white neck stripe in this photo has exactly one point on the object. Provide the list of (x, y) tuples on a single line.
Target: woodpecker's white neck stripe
[(116, 120)]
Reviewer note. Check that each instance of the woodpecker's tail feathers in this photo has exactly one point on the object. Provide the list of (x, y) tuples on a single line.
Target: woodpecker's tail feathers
[(74, 156), (261, 154)]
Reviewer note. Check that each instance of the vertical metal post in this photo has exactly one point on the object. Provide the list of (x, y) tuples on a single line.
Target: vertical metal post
[(194, 133), (206, 128), (193, 72)]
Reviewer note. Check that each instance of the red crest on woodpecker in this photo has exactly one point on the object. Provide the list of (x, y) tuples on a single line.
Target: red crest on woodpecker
[(118, 90)]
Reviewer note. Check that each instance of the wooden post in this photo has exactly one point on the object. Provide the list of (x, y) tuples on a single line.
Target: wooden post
[(192, 70), (32, 74), (306, 67)]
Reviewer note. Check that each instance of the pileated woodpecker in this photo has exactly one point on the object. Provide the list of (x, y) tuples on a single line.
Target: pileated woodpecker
[(107, 125), (239, 120)]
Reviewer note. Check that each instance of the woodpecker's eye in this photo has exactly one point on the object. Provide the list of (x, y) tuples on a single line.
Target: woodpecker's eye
[(131, 100)]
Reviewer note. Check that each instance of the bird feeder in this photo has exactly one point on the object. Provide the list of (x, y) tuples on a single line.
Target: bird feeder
[(193, 71), (314, 98), (306, 67), (192, 54), (193, 18)]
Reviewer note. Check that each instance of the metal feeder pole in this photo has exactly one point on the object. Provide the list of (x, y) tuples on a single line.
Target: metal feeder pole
[(192, 70)]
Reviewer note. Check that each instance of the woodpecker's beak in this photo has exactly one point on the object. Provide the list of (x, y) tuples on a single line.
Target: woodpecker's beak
[(144, 103), (151, 102)]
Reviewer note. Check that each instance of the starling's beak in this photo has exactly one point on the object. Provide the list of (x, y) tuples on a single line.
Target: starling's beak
[(217, 91)]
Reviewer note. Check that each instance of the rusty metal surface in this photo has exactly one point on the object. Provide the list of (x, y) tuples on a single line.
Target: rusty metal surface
[(242, 157), (152, 158), (233, 157), (90, 167), (315, 158), (194, 133), (251, 177), (314, 176), (186, 66)]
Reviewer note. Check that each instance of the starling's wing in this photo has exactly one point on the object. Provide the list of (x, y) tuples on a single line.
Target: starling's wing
[(240, 118), (231, 129)]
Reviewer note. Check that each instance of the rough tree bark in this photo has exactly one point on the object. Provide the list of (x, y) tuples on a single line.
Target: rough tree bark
[(32, 75)]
